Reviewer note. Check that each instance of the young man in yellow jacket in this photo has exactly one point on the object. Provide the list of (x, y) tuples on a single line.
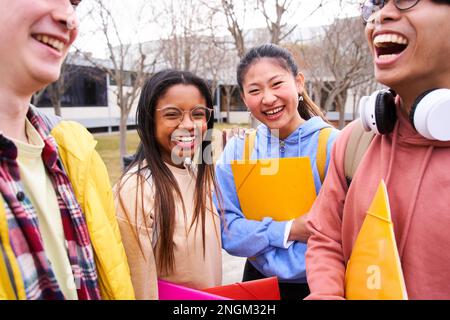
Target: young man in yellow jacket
[(58, 235)]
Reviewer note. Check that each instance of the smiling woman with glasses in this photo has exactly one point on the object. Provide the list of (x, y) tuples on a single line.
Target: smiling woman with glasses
[(173, 115), (170, 228)]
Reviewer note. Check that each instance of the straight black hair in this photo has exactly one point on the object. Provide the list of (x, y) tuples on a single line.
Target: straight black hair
[(150, 165)]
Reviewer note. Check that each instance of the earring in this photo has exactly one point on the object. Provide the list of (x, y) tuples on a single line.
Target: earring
[(300, 98)]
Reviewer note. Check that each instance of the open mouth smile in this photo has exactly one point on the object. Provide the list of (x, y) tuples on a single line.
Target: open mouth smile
[(389, 45), (184, 139), (273, 113), (184, 142), (50, 41)]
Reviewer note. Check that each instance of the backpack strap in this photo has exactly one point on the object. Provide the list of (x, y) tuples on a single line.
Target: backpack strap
[(321, 156), (357, 144), (249, 143)]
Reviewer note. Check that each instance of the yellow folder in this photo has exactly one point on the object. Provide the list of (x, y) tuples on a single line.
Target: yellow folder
[(280, 188), (374, 270)]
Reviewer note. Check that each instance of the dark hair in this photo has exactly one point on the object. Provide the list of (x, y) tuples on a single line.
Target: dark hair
[(150, 165), (306, 107)]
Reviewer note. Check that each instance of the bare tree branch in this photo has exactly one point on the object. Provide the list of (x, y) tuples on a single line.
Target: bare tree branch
[(278, 26), (234, 26), (338, 63), (128, 65)]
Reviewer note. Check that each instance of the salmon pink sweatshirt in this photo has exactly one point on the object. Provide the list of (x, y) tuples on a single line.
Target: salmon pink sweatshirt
[(417, 175)]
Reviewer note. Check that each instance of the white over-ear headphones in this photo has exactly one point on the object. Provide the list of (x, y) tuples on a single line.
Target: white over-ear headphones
[(429, 115)]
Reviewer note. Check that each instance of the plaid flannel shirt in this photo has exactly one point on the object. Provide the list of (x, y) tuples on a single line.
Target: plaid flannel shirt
[(26, 241)]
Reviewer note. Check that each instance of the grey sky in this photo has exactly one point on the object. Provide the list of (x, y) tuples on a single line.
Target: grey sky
[(128, 11)]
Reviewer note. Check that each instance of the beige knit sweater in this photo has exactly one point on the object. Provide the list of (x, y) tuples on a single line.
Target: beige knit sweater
[(192, 269)]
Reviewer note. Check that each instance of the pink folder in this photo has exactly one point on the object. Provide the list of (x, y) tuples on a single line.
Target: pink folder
[(171, 291)]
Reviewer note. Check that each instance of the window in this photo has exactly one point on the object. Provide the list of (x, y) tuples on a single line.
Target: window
[(82, 86), (231, 92)]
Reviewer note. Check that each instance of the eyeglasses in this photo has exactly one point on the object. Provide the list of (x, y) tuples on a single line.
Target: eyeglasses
[(369, 7), (173, 116)]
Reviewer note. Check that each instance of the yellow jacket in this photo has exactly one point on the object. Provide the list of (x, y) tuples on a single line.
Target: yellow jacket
[(90, 181)]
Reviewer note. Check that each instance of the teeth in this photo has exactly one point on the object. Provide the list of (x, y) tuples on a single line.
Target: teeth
[(55, 43), (381, 39), (271, 112), (386, 56), (185, 139)]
